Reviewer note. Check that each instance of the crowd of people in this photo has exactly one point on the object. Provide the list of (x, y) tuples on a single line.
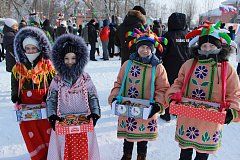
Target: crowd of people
[(47, 67)]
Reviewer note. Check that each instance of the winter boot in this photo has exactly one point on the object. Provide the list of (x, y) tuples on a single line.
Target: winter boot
[(141, 157), (186, 154), (166, 116), (201, 156), (127, 150)]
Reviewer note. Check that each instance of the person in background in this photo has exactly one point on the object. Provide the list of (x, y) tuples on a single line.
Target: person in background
[(135, 18), (104, 36), (92, 38), (111, 43), (177, 50), (9, 31)]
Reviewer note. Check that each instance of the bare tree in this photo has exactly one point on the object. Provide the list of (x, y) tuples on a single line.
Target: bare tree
[(190, 10)]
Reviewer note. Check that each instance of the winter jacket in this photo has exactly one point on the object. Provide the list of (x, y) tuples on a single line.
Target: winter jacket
[(112, 34), (176, 51), (61, 30), (92, 33), (29, 83), (8, 38), (69, 76), (104, 34), (84, 33), (134, 19)]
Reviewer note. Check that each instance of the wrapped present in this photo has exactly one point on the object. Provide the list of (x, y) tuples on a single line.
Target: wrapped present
[(132, 107), (203, 110), (73, 123), (29, 112)]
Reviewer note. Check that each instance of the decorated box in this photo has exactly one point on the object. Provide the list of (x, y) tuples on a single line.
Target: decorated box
[(73, 123), (132, 107), (203, 110), (29, 112)]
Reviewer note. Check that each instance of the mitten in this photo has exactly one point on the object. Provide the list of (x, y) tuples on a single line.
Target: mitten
[(52, 120), (94, 117), (114, 99), (177, 97), (229, 116), (155, 108)]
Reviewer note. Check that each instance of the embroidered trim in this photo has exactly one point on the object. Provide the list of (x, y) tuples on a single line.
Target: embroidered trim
[(198, 146), (211, 81), (144, 81), (136, 136)]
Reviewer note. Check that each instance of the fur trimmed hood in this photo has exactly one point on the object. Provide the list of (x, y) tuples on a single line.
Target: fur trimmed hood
[(39, 35), (82, 56), (133, 14)]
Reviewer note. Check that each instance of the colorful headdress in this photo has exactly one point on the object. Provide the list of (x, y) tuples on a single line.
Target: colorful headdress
[(146, 35), (211, 30)]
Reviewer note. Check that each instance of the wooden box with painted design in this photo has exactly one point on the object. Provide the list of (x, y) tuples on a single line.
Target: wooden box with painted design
[(132, 107)]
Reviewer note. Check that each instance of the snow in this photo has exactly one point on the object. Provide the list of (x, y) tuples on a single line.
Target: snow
[(103, 74), (230, 2)]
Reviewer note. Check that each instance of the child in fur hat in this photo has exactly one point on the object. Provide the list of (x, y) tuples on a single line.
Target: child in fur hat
[(208, 77), (145, 78), (30, 78), (72, 92)]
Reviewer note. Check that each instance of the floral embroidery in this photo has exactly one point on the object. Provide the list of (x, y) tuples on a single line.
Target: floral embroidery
[(152, 125), (201, 72), (217, 136), (132, 92), (198, 93), (192, 132), (131, 124), (135, 71)]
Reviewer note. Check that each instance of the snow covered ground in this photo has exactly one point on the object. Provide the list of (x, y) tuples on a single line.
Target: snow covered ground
[(104, 73)]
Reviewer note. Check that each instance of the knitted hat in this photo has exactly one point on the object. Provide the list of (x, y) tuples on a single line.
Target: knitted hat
[(69, 47), (10, 22), (210, 39), (148, 38), (30, 40), (140, 9), (209, 32)]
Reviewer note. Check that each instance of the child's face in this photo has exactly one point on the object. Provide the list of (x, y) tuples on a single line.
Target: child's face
[(144, 51), (70, 59), (208, 47), (31, 49)]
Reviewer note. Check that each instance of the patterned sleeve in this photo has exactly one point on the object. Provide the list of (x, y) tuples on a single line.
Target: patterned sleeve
[(52, 98), (233, 93), (92, 95), (161, 86)]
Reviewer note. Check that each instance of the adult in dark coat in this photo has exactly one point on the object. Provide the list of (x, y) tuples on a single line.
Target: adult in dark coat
[(47, 28), (92, 38), (135, 18), (176, 51), (111, 40), (9, 31)]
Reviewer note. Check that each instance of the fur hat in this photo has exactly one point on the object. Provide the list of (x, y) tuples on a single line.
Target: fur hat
[(139, 8), (43, 43), (65, 44), (10, 22), (210, 39)]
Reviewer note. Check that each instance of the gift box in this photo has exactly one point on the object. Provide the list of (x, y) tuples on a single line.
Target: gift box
[(73, 123), (202, 110), (132, 107), (29, 112)]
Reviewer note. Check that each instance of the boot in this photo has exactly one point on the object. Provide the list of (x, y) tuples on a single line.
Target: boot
[(186, 154), (141, 157), (127, 150), (127, 156)]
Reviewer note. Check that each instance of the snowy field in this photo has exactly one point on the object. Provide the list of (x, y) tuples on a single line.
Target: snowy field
[(103, 74)]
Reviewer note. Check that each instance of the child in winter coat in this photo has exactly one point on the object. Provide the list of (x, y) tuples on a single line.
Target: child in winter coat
[(208, 77), (145, 78), (72, 92), (31, 76)]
